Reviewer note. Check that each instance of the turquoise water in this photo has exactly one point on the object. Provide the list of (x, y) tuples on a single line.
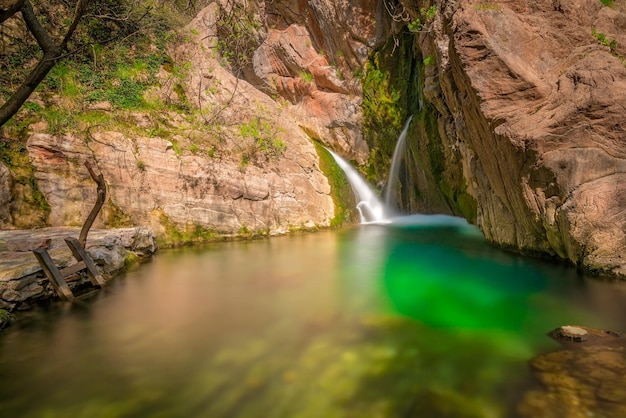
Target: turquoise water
[(415, 319)]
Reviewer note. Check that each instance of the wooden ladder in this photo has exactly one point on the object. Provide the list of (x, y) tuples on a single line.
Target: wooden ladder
[(77, 246), (57, 277)]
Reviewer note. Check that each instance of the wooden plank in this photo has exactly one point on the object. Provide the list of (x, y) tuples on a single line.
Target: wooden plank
[(54, 275), (73, 269), (81, 255)]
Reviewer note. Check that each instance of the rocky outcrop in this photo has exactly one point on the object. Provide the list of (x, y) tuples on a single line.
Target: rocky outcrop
[(587, 380), (529, 100), (22, 280), (311, 56), (149, 184)]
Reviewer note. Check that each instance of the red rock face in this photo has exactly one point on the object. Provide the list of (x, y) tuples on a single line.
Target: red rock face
[(310, 56), (540, 103)]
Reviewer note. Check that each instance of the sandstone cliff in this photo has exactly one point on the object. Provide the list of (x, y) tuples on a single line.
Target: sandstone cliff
[(519, 125), (529, 102)]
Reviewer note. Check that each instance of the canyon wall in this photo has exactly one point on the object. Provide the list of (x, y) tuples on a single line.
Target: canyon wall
[(530, 104)]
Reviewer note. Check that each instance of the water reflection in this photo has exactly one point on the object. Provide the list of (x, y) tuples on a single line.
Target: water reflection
[(411, 319)]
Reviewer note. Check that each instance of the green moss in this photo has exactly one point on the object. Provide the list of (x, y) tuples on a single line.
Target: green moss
[(389, 95), (6, 318), (245, 232), (116, 217), (434, 147), (131, 259), (176, 236), (461, 202), (487, 6), (468, 206), (34, 205), (340, 189)]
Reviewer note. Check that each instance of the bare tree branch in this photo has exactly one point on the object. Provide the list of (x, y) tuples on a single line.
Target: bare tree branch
[(52, 54), (10, 10), (41, 35), (79, 12)]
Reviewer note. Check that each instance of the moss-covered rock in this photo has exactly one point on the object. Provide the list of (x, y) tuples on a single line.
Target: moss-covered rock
[(340, 189)]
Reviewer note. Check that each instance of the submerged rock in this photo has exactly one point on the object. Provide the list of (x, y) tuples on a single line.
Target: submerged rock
[(579, 334), (585, 379)]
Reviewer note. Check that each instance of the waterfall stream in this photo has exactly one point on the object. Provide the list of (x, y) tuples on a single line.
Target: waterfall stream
[(369, 205), (393, 181), (371, 208)]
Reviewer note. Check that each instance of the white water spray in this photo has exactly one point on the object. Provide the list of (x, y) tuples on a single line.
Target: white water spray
[(393, 180), (370, 207)]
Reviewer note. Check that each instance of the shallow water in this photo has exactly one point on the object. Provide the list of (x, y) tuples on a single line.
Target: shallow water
[(419, 318)]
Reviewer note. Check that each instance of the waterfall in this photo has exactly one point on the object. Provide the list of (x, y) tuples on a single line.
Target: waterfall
[(370, 207), (394, 180)]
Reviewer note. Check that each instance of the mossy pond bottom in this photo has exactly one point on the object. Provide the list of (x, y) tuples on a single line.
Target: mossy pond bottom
[(419, 318)]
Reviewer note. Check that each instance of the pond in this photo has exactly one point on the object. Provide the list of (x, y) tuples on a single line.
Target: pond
[(418, 318)]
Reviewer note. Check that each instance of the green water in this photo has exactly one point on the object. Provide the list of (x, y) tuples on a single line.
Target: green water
[(419, 319)]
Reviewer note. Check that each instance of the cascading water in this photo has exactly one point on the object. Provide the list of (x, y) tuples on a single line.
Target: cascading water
[(370, 208), (393, 180)]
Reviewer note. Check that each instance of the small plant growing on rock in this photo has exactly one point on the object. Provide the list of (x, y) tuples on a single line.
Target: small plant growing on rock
[(426, 17), (264, 135), (306, 76), (6, 318), (604, 40)]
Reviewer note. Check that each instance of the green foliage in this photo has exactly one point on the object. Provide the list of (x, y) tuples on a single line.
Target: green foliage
[(426, 17), (415, 26), (6, 318), (429, 60), (32, 106), (59, 120), (611, 43), (113, 60), (430, 13), (306, 76), (604, 40), (340, 189), (264, 133), (607, 3)]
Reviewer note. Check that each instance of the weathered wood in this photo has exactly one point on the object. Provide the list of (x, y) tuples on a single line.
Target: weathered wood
[(81, 255), (73, 269), (100, 199), (53, 274)]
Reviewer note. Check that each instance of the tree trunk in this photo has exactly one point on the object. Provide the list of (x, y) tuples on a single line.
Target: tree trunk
[(101, 198), (52, 54)]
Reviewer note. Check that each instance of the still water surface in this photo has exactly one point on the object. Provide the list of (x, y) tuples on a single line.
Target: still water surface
[(415, 319)]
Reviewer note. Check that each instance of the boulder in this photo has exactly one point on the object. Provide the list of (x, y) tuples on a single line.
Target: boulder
[(587, 379)]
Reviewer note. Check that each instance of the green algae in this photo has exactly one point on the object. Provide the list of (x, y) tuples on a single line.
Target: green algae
[(34, 209), (340, 189)]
